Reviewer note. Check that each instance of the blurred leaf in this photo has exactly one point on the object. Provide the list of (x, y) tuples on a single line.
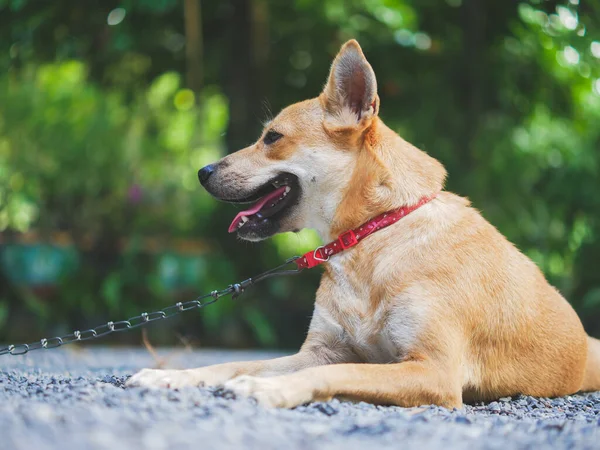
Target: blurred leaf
[(4, 309), (592, 299), (111, 290), (36, 305), (261, 326)]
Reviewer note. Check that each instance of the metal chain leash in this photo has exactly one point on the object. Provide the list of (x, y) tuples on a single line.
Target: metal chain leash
[(235, 290)]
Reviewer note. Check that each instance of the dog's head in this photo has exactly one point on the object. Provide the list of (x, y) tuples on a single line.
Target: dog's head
[(315, 164)]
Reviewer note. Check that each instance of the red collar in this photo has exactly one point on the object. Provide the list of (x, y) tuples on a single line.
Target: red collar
[(352, 237)]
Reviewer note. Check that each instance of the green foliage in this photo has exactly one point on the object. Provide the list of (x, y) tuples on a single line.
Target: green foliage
[(79, 155), (3, 312), (101, 139)]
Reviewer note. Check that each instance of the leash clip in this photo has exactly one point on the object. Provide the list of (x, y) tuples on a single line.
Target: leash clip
[(318, 258), (312, 259)]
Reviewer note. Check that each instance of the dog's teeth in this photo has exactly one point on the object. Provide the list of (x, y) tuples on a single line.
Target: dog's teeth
[(287, 189), (244, 220)]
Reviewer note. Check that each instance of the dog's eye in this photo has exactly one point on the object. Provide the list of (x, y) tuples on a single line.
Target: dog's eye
[(271, 137)]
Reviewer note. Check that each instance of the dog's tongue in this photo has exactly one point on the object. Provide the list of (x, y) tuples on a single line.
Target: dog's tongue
[(256, 208)]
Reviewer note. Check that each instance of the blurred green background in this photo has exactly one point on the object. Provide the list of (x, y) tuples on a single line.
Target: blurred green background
[(109, 108)]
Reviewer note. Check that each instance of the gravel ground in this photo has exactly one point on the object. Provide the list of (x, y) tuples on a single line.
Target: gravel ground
[(74, 399)]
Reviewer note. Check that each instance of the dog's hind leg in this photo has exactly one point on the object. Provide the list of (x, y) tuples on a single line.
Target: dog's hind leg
[(591, 380), (411, 383)]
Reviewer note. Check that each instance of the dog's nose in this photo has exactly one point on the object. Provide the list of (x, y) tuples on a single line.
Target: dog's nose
[(205, 173)]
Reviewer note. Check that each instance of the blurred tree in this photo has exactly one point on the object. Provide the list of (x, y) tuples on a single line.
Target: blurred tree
[(193, 46)]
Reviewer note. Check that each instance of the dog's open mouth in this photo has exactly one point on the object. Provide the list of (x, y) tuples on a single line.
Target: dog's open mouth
[(271, 200)]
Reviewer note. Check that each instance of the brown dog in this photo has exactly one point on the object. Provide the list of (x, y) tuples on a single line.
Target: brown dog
[(436, 308)]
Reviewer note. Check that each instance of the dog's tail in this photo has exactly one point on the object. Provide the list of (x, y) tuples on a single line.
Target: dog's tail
[(591, 379)]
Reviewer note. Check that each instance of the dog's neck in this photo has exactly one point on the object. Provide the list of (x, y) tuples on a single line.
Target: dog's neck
[(389, 173)]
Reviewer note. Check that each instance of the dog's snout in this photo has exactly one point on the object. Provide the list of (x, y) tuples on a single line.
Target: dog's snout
[(205, 173)]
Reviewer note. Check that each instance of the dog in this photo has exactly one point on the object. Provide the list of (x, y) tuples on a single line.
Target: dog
[(437, 308)]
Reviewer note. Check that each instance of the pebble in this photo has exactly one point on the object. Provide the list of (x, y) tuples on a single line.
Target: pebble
[(66, 399)]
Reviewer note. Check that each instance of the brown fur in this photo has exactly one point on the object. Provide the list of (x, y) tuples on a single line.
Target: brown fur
[(438, 308)]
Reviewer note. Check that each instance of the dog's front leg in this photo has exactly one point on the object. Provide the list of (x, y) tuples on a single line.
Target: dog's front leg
[(220, 373), (411, 383), (324, 345)]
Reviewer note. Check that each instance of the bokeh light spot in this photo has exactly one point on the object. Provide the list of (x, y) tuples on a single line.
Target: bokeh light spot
[(404, 38), (301, 60), (116, 16), (571, 55), (595, 48), (567, 17), (422, 41), (184, 100), (296, 79), (596, 86), (585, 70)]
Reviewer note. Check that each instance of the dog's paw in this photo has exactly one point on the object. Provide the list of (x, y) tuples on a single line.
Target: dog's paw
[(273, 392), (203, 376), (154, 378)]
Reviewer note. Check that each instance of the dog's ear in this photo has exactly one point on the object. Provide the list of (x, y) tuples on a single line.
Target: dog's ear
[(351, 90)]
